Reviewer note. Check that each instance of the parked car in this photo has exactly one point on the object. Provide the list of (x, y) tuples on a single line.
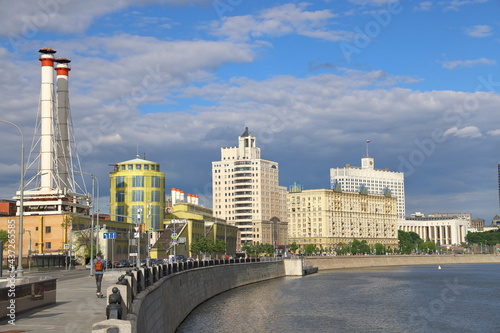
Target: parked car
[(88, 266)]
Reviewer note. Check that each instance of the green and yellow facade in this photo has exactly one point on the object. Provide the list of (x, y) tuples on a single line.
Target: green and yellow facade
[(137, 193), (190, 221)]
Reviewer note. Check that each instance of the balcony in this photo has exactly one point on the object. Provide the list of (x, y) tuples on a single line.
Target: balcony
[(243, 211), (240, 181), (242, 169), (240, 187), (245, 174), (238, 193), (243, 205), (243, 199)]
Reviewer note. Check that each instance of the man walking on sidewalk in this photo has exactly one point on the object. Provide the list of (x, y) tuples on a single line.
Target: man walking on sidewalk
[(98, 268)]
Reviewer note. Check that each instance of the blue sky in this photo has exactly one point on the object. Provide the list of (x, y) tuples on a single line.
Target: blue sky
[(313, 81)]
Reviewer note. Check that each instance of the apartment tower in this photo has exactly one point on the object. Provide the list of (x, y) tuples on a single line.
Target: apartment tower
[(247, 194)]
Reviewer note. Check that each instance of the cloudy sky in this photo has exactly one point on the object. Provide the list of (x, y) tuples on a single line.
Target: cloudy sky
[(178, 79)]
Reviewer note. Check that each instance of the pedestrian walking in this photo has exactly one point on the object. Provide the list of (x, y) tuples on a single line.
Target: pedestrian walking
[(98, 268)]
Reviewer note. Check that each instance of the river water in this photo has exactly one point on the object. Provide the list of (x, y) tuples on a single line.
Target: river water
[(456, 298)]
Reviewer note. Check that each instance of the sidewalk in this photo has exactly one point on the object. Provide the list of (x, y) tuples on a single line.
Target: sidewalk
[(76, 308)]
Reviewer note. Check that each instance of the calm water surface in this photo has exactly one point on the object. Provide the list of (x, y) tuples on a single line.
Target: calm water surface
[(457, 298)]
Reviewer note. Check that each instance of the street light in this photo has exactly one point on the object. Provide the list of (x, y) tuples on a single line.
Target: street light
[(20, 271)]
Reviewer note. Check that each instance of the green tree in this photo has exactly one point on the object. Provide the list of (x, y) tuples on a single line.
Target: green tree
[(341, 249), (309, 248), (379, 249), (293, 247), (408, 241), (4, 237), (427, 247)]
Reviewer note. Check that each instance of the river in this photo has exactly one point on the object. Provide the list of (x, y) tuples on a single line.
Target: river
[(455, 298)]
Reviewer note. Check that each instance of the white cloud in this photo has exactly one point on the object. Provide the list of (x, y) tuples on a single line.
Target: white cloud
[(468, 63), (470, 132), (479, 31), (373, 2), (456, 5), (495, 132), (279, 21), (23, 20), (423, 6)]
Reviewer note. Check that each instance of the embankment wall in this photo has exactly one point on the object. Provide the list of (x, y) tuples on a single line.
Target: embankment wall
[(337, 262)]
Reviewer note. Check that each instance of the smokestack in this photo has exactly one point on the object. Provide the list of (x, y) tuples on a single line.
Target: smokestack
[(47, 119), (63, 135), (174, 196)]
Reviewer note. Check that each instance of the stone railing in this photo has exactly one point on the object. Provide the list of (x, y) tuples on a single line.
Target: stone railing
[(159, 298)]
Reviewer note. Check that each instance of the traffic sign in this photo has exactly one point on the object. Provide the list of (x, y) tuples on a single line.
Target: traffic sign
[(66, 246), (137, 228), (109, 235), (150, 229), (174, 240), (133, 254), (174, 236), (136, 235)]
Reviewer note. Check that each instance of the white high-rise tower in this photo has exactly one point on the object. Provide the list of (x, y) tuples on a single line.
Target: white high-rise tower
[(247, 194)]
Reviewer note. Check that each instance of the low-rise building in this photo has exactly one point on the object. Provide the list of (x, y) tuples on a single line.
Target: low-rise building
[(187, 222), (440, 230)]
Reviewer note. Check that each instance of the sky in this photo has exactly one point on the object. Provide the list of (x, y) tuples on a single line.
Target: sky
[(176, 80)]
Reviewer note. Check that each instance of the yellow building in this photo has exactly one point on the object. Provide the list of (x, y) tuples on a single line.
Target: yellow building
[(189, 222), (137, 193), (327, 217)]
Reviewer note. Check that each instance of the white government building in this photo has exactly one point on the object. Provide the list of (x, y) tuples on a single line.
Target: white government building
[(440, 230), (246, 192), (375, 181)]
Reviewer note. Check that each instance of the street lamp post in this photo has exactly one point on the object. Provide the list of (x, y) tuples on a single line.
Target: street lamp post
[(20, 271)]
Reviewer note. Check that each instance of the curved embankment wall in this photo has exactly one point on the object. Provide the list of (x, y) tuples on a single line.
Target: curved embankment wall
[(186, 290), (325, 263)]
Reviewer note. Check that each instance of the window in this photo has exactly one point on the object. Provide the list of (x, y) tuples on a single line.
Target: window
[(130, 167), (137, 181), (146, 166), (119, 211), (155, 181), (138, 167), (123, 167), (120, 181), (48, 245), (136, 210), (155, 217), (48, 229), (155, 196), (120, 196), (137, 195)]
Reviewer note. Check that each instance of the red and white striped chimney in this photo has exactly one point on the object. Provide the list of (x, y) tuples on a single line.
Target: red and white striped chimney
[(47, 119)]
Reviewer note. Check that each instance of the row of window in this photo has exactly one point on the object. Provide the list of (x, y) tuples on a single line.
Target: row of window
[(138, 196), (138, 181), (153, 167)]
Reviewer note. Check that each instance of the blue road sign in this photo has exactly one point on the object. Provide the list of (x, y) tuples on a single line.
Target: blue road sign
[(109, 235)]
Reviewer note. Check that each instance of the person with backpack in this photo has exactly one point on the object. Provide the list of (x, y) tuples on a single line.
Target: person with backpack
[(98, 268)]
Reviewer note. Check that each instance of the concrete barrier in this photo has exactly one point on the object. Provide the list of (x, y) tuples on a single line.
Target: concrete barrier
[(162, 306), (337, 262)]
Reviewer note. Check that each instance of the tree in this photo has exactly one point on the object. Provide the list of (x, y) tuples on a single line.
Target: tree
[(309, 248), (4, 237), (428, 247), (379, 249), (293, 247), (408, 241)]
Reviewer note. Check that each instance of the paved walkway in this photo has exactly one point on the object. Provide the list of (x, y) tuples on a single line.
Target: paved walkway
[(76, 308)]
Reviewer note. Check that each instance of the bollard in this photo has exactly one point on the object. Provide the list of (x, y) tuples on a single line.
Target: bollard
[(114, 308)]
